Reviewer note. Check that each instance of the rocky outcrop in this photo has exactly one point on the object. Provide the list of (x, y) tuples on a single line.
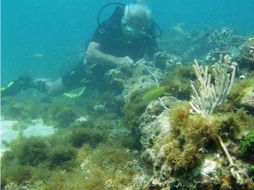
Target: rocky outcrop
[(247, 101), (154, 121)]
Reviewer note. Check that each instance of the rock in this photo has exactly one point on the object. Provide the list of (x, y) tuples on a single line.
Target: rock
[(247, 100), (99, 109), (142, 78), (115, 78), (154, 122), (208, 167)]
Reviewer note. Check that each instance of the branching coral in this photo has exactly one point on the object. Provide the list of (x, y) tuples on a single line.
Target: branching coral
[(208, 96)]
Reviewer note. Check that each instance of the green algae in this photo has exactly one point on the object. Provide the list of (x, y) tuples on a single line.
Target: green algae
[(82, 136), (178, 82), (191, 133), (235, 96), (247, 143)]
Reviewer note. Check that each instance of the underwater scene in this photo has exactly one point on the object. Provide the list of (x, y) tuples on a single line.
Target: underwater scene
[(127, 95)]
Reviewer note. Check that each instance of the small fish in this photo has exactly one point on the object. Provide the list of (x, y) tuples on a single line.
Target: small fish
[(38, 55)]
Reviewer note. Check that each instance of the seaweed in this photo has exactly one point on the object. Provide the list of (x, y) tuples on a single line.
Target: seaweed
[(178, 82), (63, 116), (134, 108), (192, 135), (235, 96), (32, 151), (16, 173), (62, 157), (247, 143), (103, 168), (83, 136), (153, 94)]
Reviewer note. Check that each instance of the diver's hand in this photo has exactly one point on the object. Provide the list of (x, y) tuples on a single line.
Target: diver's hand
[(126, 61)]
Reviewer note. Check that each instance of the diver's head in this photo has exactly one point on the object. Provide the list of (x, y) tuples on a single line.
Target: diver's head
[(137, 20)]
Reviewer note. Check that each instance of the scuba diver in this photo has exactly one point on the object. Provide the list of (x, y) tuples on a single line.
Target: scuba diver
[(128, 35)]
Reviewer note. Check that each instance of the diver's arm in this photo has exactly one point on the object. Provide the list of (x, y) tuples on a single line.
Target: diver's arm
[(95, 55)]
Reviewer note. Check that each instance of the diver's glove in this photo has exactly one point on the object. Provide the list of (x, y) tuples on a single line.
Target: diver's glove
[(15, 87)]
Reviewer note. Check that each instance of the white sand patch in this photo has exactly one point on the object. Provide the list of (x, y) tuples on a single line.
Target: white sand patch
[(8, 133), (38, 129)]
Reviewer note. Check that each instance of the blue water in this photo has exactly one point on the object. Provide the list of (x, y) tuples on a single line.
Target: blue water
[(60, 29)]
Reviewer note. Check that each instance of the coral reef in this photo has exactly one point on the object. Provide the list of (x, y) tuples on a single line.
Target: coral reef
[(178, 151), (136, 129), (208, 43), (184, 149), (219, 91)]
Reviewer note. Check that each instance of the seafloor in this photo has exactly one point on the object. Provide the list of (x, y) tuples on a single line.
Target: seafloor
[(149, 127)]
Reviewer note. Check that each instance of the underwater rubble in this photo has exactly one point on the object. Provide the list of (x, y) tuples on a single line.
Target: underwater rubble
[(174, 123)]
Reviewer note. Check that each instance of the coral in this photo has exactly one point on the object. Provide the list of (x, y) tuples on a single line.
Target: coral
[(177, 153), (207, 96)]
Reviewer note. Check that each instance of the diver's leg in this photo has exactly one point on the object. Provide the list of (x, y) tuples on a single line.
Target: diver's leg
[(77, 77), (18, 85), (25, 82)]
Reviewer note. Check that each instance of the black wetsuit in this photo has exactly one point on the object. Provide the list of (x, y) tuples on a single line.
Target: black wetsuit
[(112, 41)]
